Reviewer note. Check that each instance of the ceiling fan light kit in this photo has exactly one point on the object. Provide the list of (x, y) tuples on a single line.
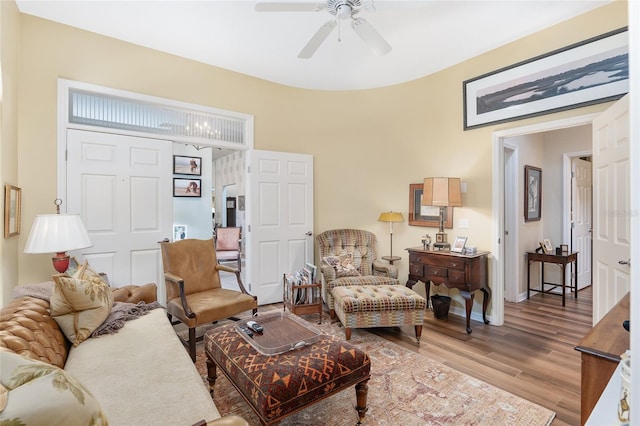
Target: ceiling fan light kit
[(341, 9)]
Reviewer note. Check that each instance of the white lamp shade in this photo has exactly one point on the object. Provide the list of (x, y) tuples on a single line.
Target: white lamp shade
[(56, 233)]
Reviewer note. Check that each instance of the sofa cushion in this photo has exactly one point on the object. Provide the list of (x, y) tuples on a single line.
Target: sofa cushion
[(39, 393), (343, 264), (80, 303)]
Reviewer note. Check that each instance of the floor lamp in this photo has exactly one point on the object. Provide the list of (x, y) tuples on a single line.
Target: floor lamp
[(391, 217), (441, 192)]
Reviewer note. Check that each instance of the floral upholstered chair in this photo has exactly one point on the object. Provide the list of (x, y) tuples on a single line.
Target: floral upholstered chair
[(348, 257)]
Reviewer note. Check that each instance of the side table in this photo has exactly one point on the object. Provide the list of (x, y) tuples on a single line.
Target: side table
[(391, 259), (558, 259)]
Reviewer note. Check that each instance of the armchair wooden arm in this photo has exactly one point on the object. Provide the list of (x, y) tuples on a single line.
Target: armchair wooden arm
[(173, 278), (225, 268)]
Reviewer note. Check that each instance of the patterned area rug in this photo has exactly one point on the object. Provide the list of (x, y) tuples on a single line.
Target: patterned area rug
[(405, 389)]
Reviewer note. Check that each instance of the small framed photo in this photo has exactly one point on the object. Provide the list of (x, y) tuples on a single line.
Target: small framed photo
[(458, 244), (547, 246), (12, 210), (564, 248), (179, 232), (186, 187), (183, 165)]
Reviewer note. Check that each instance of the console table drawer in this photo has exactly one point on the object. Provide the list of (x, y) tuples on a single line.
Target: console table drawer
[(434, 271), (443, 261), (456, 276), (416, 269)]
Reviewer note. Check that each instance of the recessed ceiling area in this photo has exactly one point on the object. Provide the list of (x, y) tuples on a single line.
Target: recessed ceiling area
[(425, 36)]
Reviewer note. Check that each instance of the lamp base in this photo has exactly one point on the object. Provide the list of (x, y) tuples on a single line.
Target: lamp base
[(60, 262), (442, 246)]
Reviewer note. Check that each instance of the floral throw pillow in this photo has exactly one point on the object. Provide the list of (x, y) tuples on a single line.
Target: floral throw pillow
[(80, 303), (343, 264), (38, 393)]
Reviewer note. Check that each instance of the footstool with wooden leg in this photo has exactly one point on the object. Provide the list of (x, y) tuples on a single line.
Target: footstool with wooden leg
[(378, 306)]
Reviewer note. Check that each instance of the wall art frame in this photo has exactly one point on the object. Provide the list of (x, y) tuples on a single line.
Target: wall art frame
[(532, 193), (185, 165), (12, 210), (420, 215), (593, 71), (187, 187)]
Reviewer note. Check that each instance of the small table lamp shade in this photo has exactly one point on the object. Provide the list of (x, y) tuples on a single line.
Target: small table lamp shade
[(57, 233), (442, 192)]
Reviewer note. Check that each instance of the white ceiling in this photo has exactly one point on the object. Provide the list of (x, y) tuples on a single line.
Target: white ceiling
[(426, 36)]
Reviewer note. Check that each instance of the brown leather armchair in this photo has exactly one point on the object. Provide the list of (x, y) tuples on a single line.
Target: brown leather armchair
[(194, 293)]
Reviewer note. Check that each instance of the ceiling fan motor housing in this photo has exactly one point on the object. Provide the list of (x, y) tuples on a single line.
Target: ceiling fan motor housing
[(343, 9)]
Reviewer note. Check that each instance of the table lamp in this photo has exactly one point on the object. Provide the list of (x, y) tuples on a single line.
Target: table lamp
[(442, 192), (391, 217), (57, 233)]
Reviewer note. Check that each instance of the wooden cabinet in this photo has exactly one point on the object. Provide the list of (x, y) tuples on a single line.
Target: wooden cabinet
[(600, 354), (467, 273)]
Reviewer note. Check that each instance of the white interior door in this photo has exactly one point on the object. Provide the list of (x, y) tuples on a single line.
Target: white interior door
[(279, 220), (611, 222), (121, 187), (581, 209)]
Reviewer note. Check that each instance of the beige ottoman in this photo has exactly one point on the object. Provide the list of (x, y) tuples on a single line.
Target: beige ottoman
[(378, 306)]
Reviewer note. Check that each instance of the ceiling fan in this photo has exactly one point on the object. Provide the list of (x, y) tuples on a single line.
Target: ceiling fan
[(342, 10)]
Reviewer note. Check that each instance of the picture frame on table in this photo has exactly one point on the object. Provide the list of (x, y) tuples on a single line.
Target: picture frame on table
[(420, 215), (532, 193), (185, 165), (564, 249), (458, 245), (589, 72), (12, 210), (186, 187), (547, 247)]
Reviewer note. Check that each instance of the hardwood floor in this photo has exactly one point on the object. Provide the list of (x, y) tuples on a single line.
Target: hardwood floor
[(532, 355)]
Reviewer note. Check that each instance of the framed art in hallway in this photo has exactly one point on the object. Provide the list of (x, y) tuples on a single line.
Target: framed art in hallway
[(186, 187), (532, 193), (590, 72), (183, 165), (12, 210)]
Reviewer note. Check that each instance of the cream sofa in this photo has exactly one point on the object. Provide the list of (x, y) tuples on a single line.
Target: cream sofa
[(140, 375)]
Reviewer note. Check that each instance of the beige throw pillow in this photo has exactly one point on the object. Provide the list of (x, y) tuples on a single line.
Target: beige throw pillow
[(343, 264), (38, 393), (80, 303)]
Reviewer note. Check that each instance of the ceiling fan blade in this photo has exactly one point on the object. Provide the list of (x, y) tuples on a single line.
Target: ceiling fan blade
[(370, 36), (317, 39), (289, 7)]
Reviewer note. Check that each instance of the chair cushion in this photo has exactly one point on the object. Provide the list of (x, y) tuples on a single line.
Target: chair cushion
[(211, 305), (38, 393), (79, 304), (343, 264)]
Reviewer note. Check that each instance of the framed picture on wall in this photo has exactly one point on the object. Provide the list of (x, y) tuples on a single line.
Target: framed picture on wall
[(186, 187), (420, 215), (12, 210), (532, 193), (179, 232), (183, 165)]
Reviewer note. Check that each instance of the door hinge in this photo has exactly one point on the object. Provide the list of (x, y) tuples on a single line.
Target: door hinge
[(573, 174), (248, 169), (248, 228), (66, 155)]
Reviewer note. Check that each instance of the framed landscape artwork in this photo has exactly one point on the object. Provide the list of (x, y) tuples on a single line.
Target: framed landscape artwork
[(183, 165), (420, 215), (586, 73), (186, 187)]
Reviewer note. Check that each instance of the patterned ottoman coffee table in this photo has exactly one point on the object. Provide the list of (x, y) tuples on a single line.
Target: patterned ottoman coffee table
[(278, 385), (360, 306)]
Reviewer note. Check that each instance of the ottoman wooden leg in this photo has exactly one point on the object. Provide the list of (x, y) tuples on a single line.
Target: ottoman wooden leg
[(211, 374), (418, 332), (361, 397), (347, 333)]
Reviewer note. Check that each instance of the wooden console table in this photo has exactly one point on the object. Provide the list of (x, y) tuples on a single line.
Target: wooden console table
[(467, 273), (558, 259), (600, 351)]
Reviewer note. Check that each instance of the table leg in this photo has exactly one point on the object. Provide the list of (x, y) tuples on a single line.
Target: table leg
[(361, 397), (528, 279), (468, 304), (211, 374), (564, 278), (485, 303), (575, 278)]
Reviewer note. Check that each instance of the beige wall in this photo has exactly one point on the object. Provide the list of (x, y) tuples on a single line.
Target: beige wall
[(368, 146), (9, 36)]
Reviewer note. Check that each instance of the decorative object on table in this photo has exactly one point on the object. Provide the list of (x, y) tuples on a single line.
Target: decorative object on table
[(12, 210), (546, 245), (470, 250), (564, 248), (420, 215), (586, 73), (458, 245), (442, 192), (441, 305), (426, 242), (533, 193), (57, 233), (391, 217), (183, 165), (186, 187)]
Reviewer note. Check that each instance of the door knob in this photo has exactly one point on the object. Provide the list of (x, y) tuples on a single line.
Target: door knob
[(623, 262), (308, 233), (164, 240)]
